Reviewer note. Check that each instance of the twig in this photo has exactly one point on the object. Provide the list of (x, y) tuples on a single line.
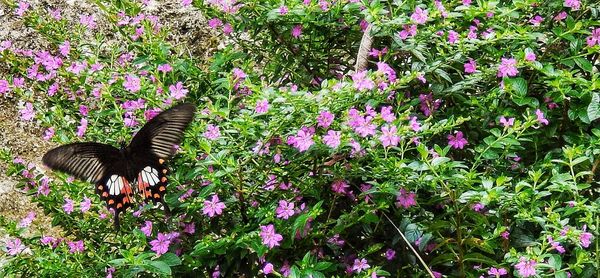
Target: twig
[(362, 57)]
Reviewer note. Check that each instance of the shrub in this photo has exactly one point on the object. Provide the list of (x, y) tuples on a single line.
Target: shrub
[(466, 148)]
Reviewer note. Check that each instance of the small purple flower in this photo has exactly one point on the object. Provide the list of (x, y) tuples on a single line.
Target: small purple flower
[(27, 113), (507, 122), (390, 254), (540, 117), (132, 83), (268, 268), (387, 114), (285, 209), (471, 66), (44, 187), (497, 272), (585, 237), (362, 81), (213, 207), (68, 206), (360, 265), (189, 228), (82, 127), (215, 23), (283, 10), (457, 141), (186, 3), (508, 67), (4, 86), (147, 228), (405, 199), (297, 31), (262, 106), (420, 16), (332, 138), (212, 132), (303, 139), (477, 207), (269, 237), (164, 68), (573, 4), (530, 56), (389, 136), (526, 268), (161, 244), (76, 246), (25, 222), (178, 91), (452, 37), (340, 187), (85, 204), (325, 119), (14, 246)]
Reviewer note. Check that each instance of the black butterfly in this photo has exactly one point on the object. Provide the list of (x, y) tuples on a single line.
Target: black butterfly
[(142, 161)]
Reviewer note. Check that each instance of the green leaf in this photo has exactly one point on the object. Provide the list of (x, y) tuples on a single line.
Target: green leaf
[(584, 64), (158, 267), (593, 109), (170, 259), (518, 85)]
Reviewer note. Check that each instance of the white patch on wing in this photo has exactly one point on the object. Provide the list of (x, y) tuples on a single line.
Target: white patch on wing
[(150, 175), (115, 183)]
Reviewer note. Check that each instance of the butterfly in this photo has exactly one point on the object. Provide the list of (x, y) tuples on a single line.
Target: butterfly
[(114, 171)]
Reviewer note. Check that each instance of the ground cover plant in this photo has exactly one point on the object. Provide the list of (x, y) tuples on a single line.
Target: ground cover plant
[(467, 147)]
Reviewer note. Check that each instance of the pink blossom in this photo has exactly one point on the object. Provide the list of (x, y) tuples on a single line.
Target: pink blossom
[(360, 265), (362, 81), (27, 113), (44, 187), (178, 91), (573, 4), (186, 3), (285, 209), (215, 23), (161, 244), (530, 56), (4, 86), (405, 199), (212, 132), (414, 125), (164, 68), (297, 31), (332, 138), (268, 268), (457, 141), (76, 246), (560, 16), (22, 8), (82, 127), (227, 29), (340, 187), (303, 139), (387, 114), (540, 117), (408, 31), (262, 106), (585, 237), (14, 246), (269, 237), (64, 48), (389, 136), (68, 206), (507, 122), (147, 228), (325, 119), (189, 228), (594, 38), (508, 67), (384, 68), (132, 83), (213, 207), (526, 268), (420, 16), (471, 66), (497, 272), (283, 10), (25, 222), (427, 104), (452, 37), (536, 20), (88, 21), (477, 207), (85, 204)]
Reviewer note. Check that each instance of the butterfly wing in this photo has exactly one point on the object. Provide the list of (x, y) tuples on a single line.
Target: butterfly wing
[(152, 182), (85, 161), (162, 132), (116, 190)]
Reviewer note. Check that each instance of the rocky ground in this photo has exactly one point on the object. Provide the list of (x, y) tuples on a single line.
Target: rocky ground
[(188, 29)]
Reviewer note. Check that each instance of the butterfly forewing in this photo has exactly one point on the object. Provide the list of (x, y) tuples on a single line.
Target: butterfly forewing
[(161, 133), (85, 161)]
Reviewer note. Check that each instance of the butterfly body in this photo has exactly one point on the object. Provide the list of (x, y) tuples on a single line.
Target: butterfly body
[(137, 167)]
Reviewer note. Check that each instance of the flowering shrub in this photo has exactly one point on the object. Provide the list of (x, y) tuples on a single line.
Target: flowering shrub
[(467, 148)]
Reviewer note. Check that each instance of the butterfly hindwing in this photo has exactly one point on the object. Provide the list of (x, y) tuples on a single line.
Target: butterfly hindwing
[(85, 161), (116, 190), (152, 182)]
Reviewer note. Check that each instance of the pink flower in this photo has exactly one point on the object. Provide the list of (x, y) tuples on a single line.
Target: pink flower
[(189, 228), (384, 68), (65, 48), (44, 187), (68, 206), (262, 106), (178, 91), (508, 67), (285, 209), (164, 68), (332, 139), (88, 21), (540, 117), (594, 38), (27, 113), (457, 141), (76, 246), (555, 245), (22, 8), (4, 86), (186, 3), (213, 207), (215, 23), (419, 16), (269, 237), (362, 81), (408, 31), (161, 244), (147, 228), (297, 31), (212, 132), (505, 234), (452, 37), (83, 110), (268, 268), (585, 237), (427, 104), (132, 83), (471, 66), (360, 265), (497, 271), (25, 222), (340, 187), (560, 16), (536, 20), (526, 268), (109, 272), (530, 56), (129, 119), (303, 139), (389, 136), (283, 10), (227, 29), (387, 114), (573, 4), (405, 199), (325, 119), (507, 122), (85, 204), (477, 207), (14, 246), (390, 254), (414, 125)]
